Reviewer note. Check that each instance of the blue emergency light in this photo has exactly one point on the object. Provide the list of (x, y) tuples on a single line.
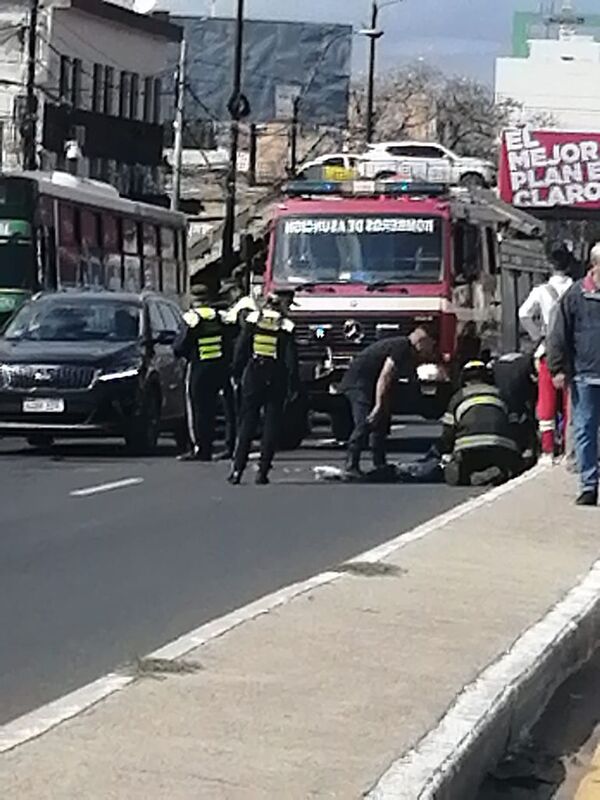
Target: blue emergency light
[(363, 188)]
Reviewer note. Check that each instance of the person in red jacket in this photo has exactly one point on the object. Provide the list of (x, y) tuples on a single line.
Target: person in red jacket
[(536, 315)]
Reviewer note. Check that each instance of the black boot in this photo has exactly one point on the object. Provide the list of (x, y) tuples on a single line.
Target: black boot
[(193, 455), (235, 477), (262, 478)]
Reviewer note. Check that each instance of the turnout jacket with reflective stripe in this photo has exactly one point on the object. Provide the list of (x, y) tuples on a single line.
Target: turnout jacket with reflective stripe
[(476, 417), (206, 339), (268, 338)]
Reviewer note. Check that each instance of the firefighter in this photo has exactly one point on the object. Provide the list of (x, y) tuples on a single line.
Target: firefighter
[(206, 345), (514, 374), (536, 316), (266, 362), (476, 443)]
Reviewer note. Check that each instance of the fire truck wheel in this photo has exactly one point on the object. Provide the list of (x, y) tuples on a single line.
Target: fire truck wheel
[(295, 425), (433, 409), (341, 424)]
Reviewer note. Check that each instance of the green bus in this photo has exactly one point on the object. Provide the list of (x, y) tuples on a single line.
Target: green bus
[(59, 231)]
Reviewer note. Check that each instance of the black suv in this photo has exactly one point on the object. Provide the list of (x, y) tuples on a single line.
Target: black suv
[(84, 364)]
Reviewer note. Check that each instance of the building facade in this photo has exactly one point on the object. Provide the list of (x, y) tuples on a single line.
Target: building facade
[(556, 79), (101, 77)]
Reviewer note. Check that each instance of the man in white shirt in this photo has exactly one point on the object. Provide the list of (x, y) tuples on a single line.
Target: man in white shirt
[(536, 315)]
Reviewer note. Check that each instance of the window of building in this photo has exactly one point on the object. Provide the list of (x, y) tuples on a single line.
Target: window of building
[(108, 104), (157, 104), (134, 99), (76, 83), (124, 92), (148, 97), (64, 80), (97, 87)]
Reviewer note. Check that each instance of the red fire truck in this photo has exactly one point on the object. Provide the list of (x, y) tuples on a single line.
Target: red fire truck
[(374, 259)]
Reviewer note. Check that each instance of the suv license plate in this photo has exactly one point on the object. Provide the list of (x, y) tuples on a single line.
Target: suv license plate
[(44, 406)]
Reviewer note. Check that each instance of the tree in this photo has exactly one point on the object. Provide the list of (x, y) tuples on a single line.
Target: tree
[(469, 120), (419, 101)]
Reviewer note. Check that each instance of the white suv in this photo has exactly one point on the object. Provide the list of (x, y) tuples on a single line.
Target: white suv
[(424, 161)]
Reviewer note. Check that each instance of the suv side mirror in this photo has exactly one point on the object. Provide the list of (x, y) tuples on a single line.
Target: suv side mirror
[(164, 337)]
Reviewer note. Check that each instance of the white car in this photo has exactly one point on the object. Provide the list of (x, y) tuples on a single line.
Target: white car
[(425, 161), (331, 166)]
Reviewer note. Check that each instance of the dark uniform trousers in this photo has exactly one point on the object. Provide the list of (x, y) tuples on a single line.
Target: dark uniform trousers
[(205, 383), (361, 405), (230, 412), (263, 388)]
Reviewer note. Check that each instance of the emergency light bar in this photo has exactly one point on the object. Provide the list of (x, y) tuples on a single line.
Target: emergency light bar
[(363, 188)]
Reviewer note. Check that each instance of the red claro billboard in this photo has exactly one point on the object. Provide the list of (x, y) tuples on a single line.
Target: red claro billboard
[(550, 169)]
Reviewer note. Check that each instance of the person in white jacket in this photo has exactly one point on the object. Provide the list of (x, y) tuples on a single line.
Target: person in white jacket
[(536, 316)]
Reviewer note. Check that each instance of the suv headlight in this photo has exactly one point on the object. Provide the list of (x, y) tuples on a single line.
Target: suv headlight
[(119, 373)]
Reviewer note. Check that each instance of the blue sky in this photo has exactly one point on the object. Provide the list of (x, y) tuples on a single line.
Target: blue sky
[(463, 36)]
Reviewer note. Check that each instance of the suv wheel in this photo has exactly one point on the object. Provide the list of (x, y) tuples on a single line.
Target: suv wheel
[(142, 437), (342, 424), (385, 175), (472, 180)]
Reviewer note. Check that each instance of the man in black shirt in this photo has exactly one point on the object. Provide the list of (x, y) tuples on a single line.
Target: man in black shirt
[(368, 386)]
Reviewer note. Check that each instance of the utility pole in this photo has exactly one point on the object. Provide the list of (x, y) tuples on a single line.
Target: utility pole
[(30, 126), (238, 108), (373, 35), (178, 129), (294, 136)]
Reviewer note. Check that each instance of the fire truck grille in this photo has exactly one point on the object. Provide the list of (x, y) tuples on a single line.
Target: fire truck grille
[(346, 335)]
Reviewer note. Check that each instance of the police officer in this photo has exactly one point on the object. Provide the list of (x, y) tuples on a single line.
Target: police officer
[(205, 344), (476, 442), (266, 361)]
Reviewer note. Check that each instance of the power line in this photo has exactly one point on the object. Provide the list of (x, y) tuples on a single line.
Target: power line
[(201, 103)]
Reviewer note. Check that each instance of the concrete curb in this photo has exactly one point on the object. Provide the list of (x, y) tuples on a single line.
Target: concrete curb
[(501, 705)]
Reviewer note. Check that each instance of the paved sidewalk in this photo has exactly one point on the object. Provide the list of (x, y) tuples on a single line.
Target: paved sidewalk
[(317, 698)]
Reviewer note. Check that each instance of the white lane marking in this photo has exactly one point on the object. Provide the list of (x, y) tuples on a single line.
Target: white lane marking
[(106, 487), (43, 719)]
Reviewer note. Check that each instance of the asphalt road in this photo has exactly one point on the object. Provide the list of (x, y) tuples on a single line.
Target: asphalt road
[(92, 580)]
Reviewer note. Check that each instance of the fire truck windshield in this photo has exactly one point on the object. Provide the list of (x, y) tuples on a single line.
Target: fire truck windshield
[(363, 248)]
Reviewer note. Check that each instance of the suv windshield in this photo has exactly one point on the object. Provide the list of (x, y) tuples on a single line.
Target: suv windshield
[(72, 319), (358, 249)]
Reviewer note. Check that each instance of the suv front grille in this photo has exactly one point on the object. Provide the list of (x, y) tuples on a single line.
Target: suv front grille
[(31, 376)]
